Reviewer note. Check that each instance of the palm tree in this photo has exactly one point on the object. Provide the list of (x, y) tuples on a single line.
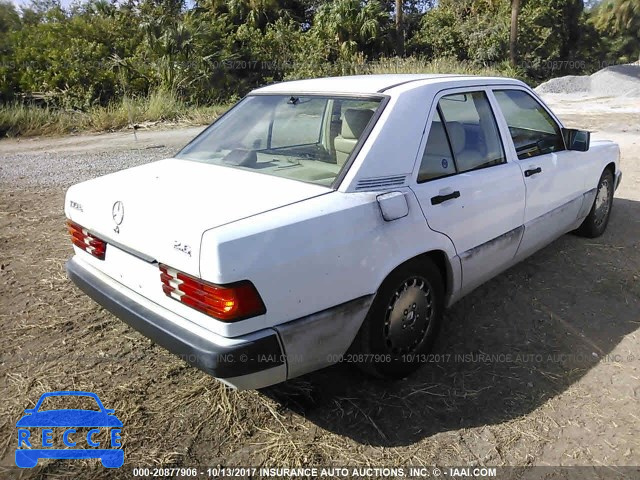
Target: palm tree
[(399, 28), (255, 12), (513, 40), (624, 13), (349, 23)]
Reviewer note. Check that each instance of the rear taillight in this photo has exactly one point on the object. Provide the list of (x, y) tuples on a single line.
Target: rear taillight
[(228, 303), (81, 238)]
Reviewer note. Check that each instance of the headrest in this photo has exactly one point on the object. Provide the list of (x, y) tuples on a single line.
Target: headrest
[(354, 122)]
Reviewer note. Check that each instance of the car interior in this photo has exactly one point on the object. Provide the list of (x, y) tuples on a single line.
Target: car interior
[(354, 121), (339, 130), (470, 140), (532, 129)]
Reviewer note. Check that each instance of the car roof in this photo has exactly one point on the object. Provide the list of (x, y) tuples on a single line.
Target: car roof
[(371, 84), (67, 393)]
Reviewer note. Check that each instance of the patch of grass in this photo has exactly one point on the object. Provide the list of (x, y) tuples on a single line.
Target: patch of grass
[(419, 65), (160, 106), (20, 119), (163, 105), (113, 117), (438, 65)]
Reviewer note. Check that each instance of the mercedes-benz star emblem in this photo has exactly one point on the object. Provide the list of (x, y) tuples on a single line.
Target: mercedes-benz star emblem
[(117, 213)]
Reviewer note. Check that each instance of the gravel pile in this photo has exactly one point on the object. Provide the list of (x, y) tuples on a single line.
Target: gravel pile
[(614, 81), (65, 169), (566, 85)]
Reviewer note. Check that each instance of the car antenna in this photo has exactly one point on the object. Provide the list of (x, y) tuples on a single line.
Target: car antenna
[(293, 100)]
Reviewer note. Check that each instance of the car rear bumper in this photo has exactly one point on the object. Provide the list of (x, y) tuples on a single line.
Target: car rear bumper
[(256, 360)]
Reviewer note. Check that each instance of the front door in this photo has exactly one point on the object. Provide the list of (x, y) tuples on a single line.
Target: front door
[(553, 176), (466, 187)]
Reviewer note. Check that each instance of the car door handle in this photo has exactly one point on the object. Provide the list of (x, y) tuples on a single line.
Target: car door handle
[(533, 171), (438, 199)]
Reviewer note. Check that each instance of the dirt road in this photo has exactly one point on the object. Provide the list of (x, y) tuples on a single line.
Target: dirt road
[(540, 366)]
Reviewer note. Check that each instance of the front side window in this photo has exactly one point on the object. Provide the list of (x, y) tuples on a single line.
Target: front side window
[(306, 138), (463, 136), (532, 129)]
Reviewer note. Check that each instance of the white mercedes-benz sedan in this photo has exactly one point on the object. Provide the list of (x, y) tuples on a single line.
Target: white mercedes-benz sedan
[(325, 217)]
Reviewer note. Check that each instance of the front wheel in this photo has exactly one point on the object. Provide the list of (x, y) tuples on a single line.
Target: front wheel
[(403, 321), (596, 222), (112, 459)]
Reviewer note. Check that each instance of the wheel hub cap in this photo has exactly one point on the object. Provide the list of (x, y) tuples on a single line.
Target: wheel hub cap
[(408, 316)]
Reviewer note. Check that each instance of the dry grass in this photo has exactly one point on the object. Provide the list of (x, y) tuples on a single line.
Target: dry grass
[(160, 106), (438, 65)]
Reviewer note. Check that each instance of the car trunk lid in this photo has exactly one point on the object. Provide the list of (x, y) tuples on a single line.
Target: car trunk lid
[(159, 211)]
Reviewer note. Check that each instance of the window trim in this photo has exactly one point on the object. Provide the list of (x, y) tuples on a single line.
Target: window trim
[(443, 120), (536, 98), (487, 90)]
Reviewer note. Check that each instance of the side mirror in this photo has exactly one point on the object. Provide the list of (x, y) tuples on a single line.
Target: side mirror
[(577, 140), (393, 206)]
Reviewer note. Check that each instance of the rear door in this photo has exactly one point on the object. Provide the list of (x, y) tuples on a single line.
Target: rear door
[(552, 175), (466, 187)]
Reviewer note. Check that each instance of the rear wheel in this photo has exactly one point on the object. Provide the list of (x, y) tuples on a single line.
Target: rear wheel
[(403, 321), (26, 459), (596, 222)]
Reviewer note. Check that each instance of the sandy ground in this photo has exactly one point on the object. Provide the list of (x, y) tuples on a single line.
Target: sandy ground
[(562, 388)]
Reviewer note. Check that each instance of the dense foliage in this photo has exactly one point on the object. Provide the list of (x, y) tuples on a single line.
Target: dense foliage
[(98, 51)]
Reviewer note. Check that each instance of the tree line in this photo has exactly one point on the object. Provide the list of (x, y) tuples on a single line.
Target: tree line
[(203, 51)]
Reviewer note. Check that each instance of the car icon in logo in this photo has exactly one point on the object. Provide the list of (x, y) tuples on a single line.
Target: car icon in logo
[(36, 446)]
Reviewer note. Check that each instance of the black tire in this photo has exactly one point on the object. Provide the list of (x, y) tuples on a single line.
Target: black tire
[(403, 321), (596, 222)]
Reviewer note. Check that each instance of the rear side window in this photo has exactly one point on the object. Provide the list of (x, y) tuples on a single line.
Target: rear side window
[(463, 136), (437, 160), (532, 129)]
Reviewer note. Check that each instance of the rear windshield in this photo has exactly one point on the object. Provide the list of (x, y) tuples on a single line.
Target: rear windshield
[(306, 138), (64, 402)]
